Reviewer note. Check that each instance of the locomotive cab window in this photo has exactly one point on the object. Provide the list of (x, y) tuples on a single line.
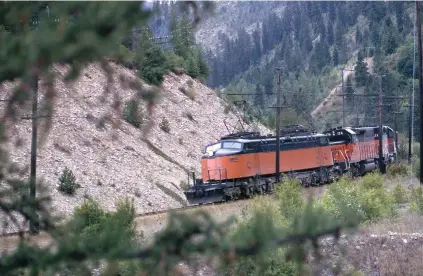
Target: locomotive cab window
[(232, 145)]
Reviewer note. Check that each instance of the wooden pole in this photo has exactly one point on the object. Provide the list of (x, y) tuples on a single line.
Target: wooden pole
[(278, 123), (419, 38), (33, 225)]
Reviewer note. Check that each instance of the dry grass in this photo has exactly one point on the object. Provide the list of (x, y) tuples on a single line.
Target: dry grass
[(405, 222), (387, 255)]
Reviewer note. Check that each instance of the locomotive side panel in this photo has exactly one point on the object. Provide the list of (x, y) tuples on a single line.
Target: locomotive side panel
[(230, 167), (296, 160)]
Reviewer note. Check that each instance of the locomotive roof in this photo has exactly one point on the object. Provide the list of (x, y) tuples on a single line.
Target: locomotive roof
[(273, 138)]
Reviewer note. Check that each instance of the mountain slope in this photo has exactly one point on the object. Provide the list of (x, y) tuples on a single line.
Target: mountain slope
[(111, 164)]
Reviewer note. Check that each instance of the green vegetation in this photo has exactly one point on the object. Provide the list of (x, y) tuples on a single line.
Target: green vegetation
[(312, 41), (344, 202), (400, 194), (417, 200), (398, 169), (164, 125), (132, 114), (67, 182)]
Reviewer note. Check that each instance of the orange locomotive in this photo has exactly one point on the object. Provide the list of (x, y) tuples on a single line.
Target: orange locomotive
[(242, 164), (356, 149)]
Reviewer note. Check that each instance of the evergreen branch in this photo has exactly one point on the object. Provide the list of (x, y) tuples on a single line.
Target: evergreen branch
[(21, 259)]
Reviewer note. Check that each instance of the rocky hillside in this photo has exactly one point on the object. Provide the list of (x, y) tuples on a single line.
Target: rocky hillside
[(114, 163)]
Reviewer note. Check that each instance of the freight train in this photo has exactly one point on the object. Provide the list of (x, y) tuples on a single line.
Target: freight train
[(243, 164)]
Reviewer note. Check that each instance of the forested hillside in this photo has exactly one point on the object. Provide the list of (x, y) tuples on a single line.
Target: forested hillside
[(312, 41)]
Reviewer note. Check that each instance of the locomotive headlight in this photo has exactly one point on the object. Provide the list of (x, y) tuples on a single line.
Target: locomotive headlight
[(210, 153)]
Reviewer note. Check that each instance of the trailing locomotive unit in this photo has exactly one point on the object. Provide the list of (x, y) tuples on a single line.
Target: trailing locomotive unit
[(243, 164), (368, 136), (356, 149)]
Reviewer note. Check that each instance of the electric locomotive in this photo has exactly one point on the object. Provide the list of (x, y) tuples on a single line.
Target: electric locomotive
[(356, 149), (243, 164)]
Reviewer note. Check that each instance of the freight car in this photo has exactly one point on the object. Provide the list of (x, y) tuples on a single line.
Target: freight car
[(243, 164)]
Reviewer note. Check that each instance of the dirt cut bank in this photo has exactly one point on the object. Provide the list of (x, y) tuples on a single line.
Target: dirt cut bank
[(114, 163)]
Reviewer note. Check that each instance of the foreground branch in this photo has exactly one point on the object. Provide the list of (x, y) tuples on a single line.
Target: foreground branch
[(29, 256)]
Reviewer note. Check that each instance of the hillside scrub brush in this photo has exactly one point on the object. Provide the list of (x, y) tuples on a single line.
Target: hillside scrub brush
[(67, 182), (131, 113), (164, 125)]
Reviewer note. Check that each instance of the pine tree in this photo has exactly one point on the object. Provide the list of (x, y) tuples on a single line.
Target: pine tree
[(358, 37), (173, 23), (203, 68), (257, 51), (335, 57), (360, 69), (349, 90), (305, 39), (183, 38), (338, 34), (330, 34), (259, 97), (389, 43), (192, 64)]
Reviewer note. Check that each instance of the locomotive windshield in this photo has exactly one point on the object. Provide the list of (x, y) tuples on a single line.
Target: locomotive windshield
[(232, 145), (229, 145)]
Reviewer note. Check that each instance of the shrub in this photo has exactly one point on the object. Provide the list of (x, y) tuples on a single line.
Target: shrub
[(416, 205), (400, 194), (131, 113), (262, 215), (174, 62), (398, 169), (184, 185), (153, 66), (190, 92), (127, 58), (372, 180), (289, 195), (114, 229), (365, 198), (376, 202), (164, 125), (87, 217), (416, 166), (340, 194), (67, 182)]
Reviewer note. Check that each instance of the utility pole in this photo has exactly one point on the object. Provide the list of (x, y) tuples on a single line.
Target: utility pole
[(396, 126), (380, 135), (278, 123), (411, 123), (33, 226), (419, 38), (343, 94), (343, 97), (411, 101)]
